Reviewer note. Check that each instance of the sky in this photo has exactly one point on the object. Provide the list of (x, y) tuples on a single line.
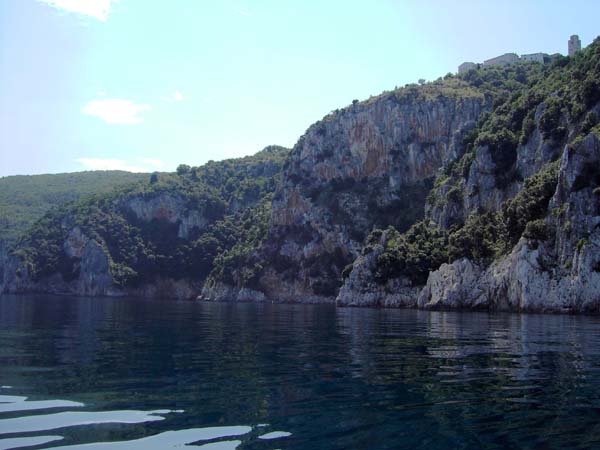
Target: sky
[(145, 85)]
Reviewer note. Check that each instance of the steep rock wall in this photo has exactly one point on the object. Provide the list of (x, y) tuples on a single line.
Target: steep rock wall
[(558, 273), (369, 165)]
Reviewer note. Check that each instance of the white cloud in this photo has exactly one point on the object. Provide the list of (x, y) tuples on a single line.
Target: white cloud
[(99, 9), (116, 110), (148, 164), (244, 12), (177, 96)]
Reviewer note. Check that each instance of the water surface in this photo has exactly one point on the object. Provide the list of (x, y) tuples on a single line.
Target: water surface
[(138, 374)]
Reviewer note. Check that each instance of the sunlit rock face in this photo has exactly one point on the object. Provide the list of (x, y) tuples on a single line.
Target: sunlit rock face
[(560, 274), (369, 165)]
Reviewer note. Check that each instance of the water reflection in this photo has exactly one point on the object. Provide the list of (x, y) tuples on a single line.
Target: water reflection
[(161, 441), (71, 419), (11, 403), (274, 435), (334, 378), (173, 439)]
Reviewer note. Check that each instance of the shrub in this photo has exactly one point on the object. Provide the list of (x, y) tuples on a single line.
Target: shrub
[(537, 230), (590, 121), (531, 203), (420, 250), (581, 243), (346, 271), (550, 120), (476, 240)]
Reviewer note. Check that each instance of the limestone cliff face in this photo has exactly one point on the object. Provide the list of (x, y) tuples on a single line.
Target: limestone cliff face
[(92, 268), (512, 224), (558, 274), (167, 207), (371, 164), (483, 187), (562, 273), (446, 161), (90, 263)]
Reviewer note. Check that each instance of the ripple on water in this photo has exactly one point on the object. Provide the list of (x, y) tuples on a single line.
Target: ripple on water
[(162, 441), (275, 435), (173, 439), (15, 403), (46, 422), (21, 442)]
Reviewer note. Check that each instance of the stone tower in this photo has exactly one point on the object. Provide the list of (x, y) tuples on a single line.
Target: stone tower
[(574, 45)]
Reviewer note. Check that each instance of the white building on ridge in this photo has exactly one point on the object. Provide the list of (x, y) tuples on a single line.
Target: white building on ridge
[(574, 45)]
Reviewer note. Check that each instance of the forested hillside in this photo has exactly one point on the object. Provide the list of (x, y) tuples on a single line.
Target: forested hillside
[(170, 227), (25, 198)]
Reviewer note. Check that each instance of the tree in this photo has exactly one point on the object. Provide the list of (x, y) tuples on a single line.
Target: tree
[(182, 169), (154, 178)]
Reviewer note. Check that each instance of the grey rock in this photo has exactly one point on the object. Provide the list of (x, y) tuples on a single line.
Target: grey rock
[(362, 289), (368, 165), (455, 286)]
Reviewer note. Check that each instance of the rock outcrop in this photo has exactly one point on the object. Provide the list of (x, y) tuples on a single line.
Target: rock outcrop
[(90, 269), (369, 165), (558, 274), (361, 287)]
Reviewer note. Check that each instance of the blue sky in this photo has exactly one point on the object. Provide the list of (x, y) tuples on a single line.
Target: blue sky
[(148, 84)]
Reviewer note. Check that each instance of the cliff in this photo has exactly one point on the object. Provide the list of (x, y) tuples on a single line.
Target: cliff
[(513, 224), (467, 194), (369, 165), (476, 191), (557, 270), (156, 238)]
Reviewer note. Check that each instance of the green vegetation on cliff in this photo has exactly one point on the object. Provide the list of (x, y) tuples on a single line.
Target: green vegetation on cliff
[(25, 198), (413, 254), (483, 237), (224, 202), (555, 98), (491, 234)]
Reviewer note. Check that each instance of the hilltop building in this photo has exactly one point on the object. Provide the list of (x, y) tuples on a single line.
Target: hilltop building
[(574, 45), (512, 58), (534, 57), (502, 60)]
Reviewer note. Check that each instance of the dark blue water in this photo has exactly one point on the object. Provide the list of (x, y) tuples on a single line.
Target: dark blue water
[(158, 375)]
